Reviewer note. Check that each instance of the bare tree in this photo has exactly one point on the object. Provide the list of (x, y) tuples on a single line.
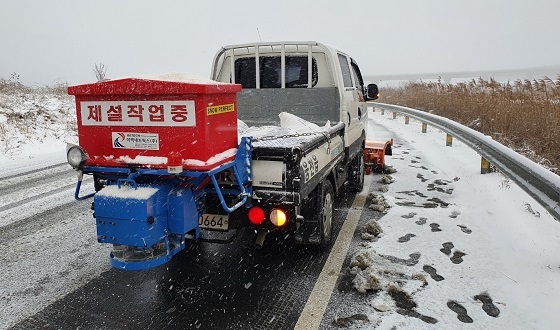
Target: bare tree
[(99, 71)]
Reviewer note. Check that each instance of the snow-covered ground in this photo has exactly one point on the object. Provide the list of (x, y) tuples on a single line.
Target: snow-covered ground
[(33, 129), (470, 237)]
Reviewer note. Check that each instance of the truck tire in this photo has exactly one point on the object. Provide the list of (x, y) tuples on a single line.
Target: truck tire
[(357, 172), (325, 207)]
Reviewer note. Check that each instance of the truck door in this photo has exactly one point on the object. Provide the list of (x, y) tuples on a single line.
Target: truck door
[(354, 113), (361, 104)]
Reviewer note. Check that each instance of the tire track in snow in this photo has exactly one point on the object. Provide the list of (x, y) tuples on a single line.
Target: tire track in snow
[(27, 169), (18, 199), (13, 179), (31, 223), (42, 199), (32, 188)]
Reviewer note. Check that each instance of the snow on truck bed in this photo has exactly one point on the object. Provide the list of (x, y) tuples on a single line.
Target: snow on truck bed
[(292, 132)]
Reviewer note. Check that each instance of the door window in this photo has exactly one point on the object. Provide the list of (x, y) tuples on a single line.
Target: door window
[(346, 76), (358, 81)]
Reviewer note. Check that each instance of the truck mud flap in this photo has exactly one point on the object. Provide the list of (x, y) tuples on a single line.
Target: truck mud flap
[(228, 239)]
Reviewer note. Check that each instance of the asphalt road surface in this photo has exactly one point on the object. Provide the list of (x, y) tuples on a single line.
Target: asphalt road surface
[(206, 286)]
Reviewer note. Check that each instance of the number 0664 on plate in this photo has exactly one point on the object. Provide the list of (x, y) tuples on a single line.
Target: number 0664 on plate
[(213, 221)]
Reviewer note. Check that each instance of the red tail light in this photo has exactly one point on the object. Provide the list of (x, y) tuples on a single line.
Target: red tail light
[(256, 215)]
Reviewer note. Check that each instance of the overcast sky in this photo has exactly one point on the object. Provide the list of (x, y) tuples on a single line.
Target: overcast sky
[(56, 41)]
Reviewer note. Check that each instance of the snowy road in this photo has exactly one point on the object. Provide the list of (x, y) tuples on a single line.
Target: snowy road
[(47, 237), (459, 250), (207, 286)]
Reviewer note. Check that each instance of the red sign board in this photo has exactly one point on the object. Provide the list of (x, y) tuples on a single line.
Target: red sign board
[(142, 122)]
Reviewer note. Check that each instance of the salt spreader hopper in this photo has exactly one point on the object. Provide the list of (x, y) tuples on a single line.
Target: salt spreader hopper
[(154, 148)]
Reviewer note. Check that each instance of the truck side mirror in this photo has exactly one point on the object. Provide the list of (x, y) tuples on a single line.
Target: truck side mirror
[(372, 92)]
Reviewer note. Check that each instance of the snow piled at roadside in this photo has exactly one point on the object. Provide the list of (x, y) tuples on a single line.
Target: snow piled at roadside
[(34, 124), (457, 249)]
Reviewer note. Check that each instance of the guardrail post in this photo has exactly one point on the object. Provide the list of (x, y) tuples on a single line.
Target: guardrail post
[(406, 120), (382, 111), (424, 127), (484, 166), (448, 140), (394, 115)]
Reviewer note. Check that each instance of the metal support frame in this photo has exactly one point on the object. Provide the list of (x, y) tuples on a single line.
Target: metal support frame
[(241, 167)]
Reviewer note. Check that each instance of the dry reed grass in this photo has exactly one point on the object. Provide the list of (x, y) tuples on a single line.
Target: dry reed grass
[(29, 114), (14, 86), (524, 115)]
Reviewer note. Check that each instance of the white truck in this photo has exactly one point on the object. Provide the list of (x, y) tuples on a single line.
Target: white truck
[(297, 173), (267, 144)]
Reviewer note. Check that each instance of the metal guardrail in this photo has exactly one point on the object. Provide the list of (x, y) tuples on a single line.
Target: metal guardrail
[(500, 75), (538, 182)]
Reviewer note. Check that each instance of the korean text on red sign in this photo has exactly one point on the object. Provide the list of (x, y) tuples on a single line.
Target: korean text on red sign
[(138, 113)]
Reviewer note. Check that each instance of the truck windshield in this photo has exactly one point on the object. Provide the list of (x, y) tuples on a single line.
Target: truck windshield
[(270, 72)]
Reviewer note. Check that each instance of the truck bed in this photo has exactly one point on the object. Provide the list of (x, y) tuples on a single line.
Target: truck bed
[(295, 157), (258, 107), (296, 133)]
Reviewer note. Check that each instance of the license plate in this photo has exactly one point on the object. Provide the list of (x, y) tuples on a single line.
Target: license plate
[(213, 221)]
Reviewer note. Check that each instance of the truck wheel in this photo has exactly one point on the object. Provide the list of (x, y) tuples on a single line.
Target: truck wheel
[(325, 214), (357, 172)]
